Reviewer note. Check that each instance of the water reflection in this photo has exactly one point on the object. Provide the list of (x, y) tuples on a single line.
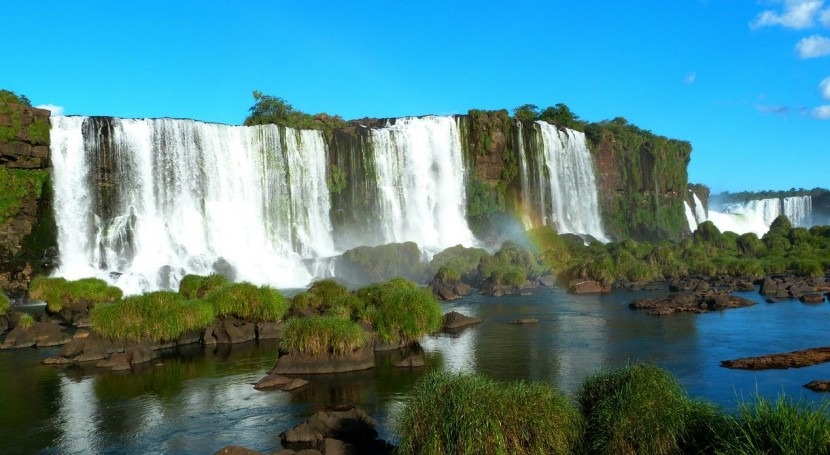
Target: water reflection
[(197, 400)]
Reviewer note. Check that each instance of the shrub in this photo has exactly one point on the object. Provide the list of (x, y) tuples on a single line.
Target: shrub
[(450, 273), (465, 414), (157, 316), (249, 302), (5, 304), (514, 276), (386, 261), (321, 335), (807, 268), (321, 295), (26, 321), (750, 245), (640, 409), (197, 286), (57, 292), (400, 310), (465, 260), (782, 427)]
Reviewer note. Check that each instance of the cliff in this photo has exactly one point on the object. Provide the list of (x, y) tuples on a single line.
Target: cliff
[(27, 227)]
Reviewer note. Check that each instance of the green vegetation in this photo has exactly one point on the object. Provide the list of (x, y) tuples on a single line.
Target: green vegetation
[(400, 310), (641, 409), (5, 304), (157, 316), (456, 262), (336, 179), (249, 302), (384, 262), (59, 292), (471, 415), (322, 295), (559, 115), (197, 286), (273, 110), (15, 185), (510, 266), (781, 427), (322, 335), (25, 321)]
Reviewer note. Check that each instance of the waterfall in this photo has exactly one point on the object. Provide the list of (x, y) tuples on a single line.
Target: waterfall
[(141, 203), (421, 183), (690, 217), (700, 210), (799, 209), (758, 214), (568, 175)]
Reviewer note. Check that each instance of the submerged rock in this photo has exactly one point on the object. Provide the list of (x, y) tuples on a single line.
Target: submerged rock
[(818, 386), (812, 298), (690, 303), (781, 361), (413, 361), (280, 382), (362, 359), (522, 321)]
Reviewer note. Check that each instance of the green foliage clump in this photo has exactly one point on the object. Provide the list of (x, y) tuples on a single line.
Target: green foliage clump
[(321, 295), (5, 304), (460, 259), (470, 415), (322, 335), (483, 200), (15, 185), (641, 409), (400, 310), (25, 321), (269, 109), (384, 262), (336, 179), (157, 316), (57, 292), (450, 273), (783, 427), (249, 302), (810, 268), (511, 256), (197, 286)]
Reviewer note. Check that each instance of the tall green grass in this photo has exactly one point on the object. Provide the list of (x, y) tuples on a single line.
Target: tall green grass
[(249, 302), (642, 409), (321, 295), (321, 335), (26, 321), (400, 310), (197, 286), (57, 292), (5, 304), (783, 427), (470, 415), (157, 316)]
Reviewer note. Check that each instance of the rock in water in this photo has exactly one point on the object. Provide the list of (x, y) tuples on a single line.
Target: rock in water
[(818, 386), (781, 361), (455, 320)]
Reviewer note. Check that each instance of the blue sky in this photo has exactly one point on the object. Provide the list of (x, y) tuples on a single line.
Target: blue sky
[(741, 80)]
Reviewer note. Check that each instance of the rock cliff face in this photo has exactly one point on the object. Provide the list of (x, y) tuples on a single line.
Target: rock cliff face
[(27, 227)]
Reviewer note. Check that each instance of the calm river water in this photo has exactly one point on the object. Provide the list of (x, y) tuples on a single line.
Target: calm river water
[(199, 400)]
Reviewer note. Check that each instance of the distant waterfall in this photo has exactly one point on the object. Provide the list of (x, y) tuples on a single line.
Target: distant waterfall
[(564, 181), (421, 183), (690, 217), (144, 202), (799, 209), (757, 215)]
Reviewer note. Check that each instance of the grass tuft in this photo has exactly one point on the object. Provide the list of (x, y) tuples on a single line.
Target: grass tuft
[(321, 335), (466, 414), (400, 310), (26, 321), (197, 286), (321, 295), (59, 292), (5, 304), (249, 302), (157, 316)]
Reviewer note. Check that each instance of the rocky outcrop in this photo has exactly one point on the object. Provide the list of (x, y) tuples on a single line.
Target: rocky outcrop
[(701, 302), (588, 287), (41, 334), (352, 429), (412, 361), (455, 321), (818, 386), (782, 361), (362, 359), (27, 226), (792, 287), (280, 382)]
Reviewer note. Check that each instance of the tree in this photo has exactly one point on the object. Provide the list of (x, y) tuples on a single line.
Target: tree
[(269, 109), (526, 112), (561, 115)]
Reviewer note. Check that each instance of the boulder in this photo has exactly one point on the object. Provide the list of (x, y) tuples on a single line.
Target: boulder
[(781, 361), (445, 292), (280, 382), (41, 334), (353, 426), (455, 320), (270, 330), (236, 450), (463, 289), (587, 287), (119, 361), (413, 361), (812, 298), (547, 281), (140, 353), (818, 386), (690, 303), (362, 359)]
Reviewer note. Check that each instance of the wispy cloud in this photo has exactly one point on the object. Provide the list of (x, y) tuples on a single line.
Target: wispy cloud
[(813, 46), (690, 78), (824, 88), (56, 110), (822, 112), (772, 109), (797, 14)]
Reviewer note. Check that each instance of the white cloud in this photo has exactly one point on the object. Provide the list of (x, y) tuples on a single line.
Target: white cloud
[(824, 18), (813, 46), (798, 14), (56, 110), (690, 78), (824, 88), (822, 112)]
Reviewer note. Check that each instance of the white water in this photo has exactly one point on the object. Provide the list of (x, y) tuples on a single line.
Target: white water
[(757, 215), (421, 182), (690, 217), (188, 193), (573, 207), (525, 179)]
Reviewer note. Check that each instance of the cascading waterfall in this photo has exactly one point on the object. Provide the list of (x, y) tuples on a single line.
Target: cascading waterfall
[(568, 175), (141, 203), (421, 183), (690, 217), (757, 215), (799, 209)]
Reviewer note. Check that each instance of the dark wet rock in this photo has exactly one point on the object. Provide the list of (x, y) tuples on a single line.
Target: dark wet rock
[(522, 321), (690, 303), (455, 320), (587, 287), (413, 361), (280, 382), (229, 331), (237, 450), (380, 346), (772, 300), (295, 384), (781, 361), (689, 285), (362, 359), (784, 287), (547, 280), (270, 330), (812, 298), (41, 334), (5, 324), (463, 289), (18, 338), (818, 386), (189, 337), (119, 361), (353, 426), (141, 353)]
